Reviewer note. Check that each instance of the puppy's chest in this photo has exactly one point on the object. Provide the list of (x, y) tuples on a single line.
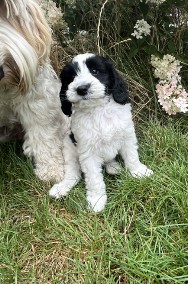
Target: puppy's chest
[(98, 128)]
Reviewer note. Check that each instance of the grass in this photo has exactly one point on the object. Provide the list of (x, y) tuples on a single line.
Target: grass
[(141, 237)]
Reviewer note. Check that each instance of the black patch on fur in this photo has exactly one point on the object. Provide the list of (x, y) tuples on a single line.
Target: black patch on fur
[(73, 139), (67, 76), (105, 72), (1, 72)]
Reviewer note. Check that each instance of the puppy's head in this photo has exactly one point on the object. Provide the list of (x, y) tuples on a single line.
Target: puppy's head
[(89, 80)]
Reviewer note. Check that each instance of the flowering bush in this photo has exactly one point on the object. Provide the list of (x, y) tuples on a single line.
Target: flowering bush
[(171, 94), (129, 32), (56, 20)]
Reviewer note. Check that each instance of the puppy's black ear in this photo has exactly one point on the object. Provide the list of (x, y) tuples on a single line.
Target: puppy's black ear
[(118, 87), (67, 76)]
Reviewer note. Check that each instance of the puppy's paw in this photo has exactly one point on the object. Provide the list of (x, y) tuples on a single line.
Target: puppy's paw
[(113, 168), (141, 171), (57, 191), (96, 203)]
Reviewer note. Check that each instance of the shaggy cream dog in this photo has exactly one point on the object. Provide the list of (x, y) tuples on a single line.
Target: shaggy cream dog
[(29, 87)]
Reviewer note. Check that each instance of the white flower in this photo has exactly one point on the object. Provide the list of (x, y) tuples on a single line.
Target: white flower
[(166, 68), (141, 28), (181, 103), (51, 11), (82, 32), (71, 3)]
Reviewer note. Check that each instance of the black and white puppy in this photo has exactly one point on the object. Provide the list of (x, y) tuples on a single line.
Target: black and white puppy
[(96, 97)]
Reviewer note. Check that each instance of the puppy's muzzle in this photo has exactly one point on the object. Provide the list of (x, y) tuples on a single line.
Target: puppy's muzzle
[(1, 73), (83, 90)]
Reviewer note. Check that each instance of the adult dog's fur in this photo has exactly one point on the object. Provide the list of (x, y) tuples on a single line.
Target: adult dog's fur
[(101, 125), (29, 87)]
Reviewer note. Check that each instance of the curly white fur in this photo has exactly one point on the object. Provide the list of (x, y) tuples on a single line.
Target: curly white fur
[(102, 128), (29, 87)]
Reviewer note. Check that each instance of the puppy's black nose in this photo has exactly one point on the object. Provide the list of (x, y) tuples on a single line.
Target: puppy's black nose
[(82, 90), (1, 72)]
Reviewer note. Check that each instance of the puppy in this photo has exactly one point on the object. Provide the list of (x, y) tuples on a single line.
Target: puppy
[(97, 99)]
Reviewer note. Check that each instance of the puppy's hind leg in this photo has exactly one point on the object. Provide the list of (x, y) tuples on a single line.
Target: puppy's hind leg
[(112, 167), (129, 153), (72, 170)]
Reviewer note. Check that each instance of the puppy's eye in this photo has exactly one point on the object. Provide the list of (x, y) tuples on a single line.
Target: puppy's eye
[(94, 71)]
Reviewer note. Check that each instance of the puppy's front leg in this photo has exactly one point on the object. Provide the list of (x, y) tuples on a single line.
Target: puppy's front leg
[(129, 153), (72, 170), (96, 189)]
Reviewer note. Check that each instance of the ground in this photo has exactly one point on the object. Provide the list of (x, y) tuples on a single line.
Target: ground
[(140, 237)]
